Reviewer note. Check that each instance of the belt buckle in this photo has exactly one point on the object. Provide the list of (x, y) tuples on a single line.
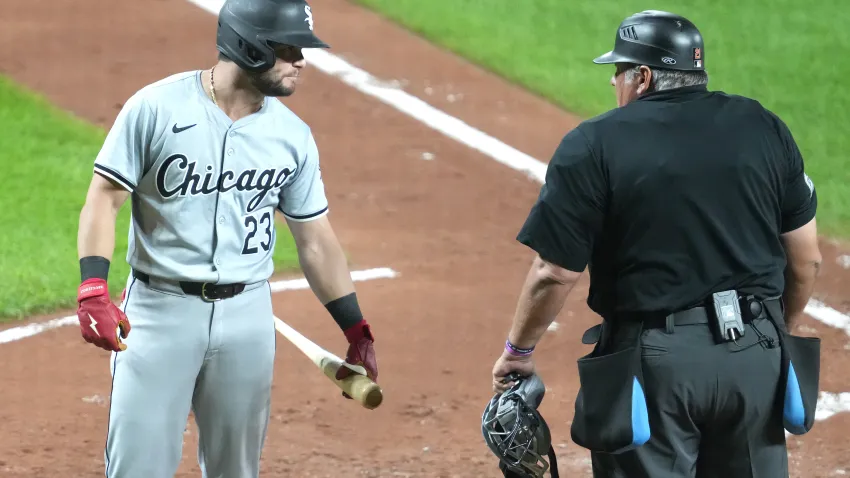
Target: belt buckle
[(204, 296)]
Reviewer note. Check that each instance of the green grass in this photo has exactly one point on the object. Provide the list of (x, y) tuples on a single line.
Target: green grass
[(47, 156), (787, 54)]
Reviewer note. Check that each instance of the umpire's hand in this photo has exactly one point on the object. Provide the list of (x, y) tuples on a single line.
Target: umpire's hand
[(507, 363)]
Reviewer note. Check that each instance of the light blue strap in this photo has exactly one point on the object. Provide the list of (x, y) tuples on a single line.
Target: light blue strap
[(793, 412), (640, 415)]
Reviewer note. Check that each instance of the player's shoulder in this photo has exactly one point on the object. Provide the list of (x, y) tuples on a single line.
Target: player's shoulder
[(286, 118), (168, 89), (294, 130)]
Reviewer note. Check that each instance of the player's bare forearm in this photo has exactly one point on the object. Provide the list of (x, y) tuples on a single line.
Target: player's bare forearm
[(326, 269), (541, 299), (96, 233), (322, 259)]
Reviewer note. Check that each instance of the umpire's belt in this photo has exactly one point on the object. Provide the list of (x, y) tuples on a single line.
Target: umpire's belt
[(207, 291), (751, 309)]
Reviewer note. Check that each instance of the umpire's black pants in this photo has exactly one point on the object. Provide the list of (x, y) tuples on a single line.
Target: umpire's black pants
[(712, 408)]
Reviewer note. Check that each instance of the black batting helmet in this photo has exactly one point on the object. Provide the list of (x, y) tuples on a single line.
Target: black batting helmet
[(248, 30), (657, 39)]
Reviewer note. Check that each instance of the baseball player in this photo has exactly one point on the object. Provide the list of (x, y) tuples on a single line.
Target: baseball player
[(207, 157)]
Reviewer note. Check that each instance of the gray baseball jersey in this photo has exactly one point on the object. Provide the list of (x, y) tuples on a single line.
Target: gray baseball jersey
[(204, 192), (205, 188)]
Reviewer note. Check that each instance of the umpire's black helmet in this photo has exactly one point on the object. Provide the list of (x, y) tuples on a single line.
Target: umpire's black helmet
[(249, 29), (657, 39)]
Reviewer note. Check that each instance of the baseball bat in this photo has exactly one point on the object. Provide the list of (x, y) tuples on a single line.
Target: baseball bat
[(357, 385)]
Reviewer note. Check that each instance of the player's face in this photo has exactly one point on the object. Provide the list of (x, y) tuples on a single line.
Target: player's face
[(281, 79)]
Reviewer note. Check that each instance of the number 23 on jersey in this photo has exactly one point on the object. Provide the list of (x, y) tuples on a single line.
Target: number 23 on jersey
[(258, 232)]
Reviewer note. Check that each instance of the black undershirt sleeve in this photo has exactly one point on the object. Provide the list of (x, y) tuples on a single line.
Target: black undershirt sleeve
[(570, 210)]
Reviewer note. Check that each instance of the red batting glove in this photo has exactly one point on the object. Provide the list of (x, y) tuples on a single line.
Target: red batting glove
[(101, 322), (360, 352)]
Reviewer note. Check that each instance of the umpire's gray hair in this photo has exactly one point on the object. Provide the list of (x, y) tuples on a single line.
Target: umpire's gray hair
[(666, 79)]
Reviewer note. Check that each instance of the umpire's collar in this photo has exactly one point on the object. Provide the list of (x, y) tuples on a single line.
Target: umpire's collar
[(673, 94)]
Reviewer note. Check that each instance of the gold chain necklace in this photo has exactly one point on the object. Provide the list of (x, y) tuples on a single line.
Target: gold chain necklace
[(212, 88), (212, 85)]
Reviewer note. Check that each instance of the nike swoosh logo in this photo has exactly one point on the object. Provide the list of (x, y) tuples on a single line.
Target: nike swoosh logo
[(175, 129)]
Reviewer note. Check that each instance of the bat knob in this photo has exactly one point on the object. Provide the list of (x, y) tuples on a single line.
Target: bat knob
[(365, 391), (373, 398)]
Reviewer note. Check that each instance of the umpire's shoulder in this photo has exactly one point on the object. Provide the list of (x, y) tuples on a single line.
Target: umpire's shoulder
[(595, 126), (752, 110), (591, 130)]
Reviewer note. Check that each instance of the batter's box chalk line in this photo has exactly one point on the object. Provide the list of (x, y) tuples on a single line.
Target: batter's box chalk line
[(17, 333)]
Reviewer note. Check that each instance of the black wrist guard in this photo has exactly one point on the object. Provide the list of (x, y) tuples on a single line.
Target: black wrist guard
[(93, 267), (345, 311)]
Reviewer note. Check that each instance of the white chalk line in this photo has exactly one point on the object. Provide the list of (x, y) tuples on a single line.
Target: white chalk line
[(829, 316), (24, 331), (448, 125), (356, 276)]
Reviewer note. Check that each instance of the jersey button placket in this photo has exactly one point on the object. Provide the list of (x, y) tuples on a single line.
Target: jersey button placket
[(221, 218)]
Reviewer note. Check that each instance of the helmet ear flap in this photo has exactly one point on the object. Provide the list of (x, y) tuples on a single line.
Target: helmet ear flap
[(252, 52), (251, 56)]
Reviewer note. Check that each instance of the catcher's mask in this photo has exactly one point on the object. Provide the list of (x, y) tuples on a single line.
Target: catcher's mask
[(515, 431)]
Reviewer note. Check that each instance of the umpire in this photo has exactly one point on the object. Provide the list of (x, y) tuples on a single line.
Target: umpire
[(694, 216)]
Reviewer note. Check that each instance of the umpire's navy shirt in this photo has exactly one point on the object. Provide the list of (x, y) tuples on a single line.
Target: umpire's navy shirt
[(677, 195)]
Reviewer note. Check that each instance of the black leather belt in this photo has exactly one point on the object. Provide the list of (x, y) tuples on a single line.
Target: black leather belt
[(207, 291), (751, 309)]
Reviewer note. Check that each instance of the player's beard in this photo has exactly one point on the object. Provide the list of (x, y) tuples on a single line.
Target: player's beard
[(269, 84)]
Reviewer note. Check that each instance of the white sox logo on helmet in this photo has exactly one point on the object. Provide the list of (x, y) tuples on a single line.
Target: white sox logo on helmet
[(309, 18)]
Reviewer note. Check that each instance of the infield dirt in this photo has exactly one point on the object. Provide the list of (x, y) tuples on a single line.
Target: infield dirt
[(447, 225)]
